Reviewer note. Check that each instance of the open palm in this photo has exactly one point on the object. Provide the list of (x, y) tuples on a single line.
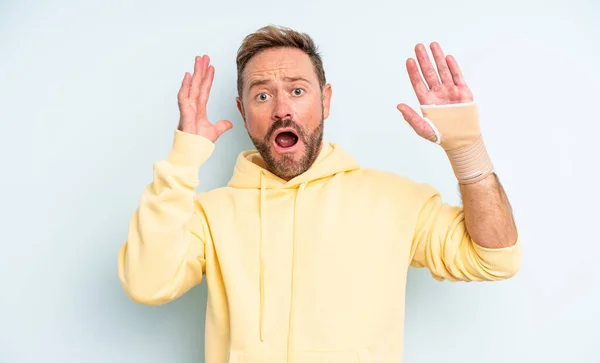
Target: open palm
[(192, 99), (444, 87)]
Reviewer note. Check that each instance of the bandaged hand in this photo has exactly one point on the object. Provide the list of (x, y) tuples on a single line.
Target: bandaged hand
[(450, 118)]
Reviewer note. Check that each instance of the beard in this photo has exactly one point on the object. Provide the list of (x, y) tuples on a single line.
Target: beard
[(287, 167)]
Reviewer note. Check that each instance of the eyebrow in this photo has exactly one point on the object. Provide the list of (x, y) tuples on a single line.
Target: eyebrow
[(294, 79), (260, 82)]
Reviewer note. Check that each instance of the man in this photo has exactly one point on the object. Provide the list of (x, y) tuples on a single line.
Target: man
[(306, 253)]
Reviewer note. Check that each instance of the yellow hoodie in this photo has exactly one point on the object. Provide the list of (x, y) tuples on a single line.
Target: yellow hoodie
[(312, 270)]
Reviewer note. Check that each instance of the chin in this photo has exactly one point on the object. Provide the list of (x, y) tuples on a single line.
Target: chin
[(288, 151)]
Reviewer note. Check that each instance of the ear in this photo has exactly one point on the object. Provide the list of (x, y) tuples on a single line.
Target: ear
[(326, 99), (240, 107)]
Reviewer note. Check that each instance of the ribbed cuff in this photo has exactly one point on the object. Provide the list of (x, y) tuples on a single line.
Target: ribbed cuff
[(189, 149), (505, 261)]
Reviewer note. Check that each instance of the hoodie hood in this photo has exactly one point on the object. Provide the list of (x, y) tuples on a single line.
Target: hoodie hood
[(250, 173), (250, 170)]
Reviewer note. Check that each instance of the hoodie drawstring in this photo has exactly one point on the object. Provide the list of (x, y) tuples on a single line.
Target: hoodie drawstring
[(262, 205), (294, 262), (261, 261)]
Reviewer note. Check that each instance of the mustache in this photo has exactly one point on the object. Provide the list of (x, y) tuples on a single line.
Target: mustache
[(285, 123)]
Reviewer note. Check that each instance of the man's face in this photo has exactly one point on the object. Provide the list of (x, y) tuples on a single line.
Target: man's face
[(283, 108)]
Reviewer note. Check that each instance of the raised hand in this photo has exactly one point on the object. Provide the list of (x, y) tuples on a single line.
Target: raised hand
[(192, 99), (450, 117), (444, 87)]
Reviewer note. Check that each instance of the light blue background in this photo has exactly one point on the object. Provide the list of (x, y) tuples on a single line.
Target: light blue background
[(88, 104)]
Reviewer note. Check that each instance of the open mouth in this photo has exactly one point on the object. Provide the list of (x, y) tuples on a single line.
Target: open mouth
[(286, 138)]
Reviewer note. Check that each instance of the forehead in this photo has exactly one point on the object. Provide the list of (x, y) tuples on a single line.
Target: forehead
[(278, 63)]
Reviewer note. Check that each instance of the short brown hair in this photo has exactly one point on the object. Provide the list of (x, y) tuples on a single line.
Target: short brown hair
[(272, 36)]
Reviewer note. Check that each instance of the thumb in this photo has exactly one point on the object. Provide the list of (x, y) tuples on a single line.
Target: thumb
[(222, 126), (418, 123)]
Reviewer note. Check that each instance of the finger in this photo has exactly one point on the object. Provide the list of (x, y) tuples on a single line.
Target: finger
[(206, 86), (427, 69), (418, 124), (222, 126), (204, 66), (204, 72), (457, 76), (416, 80), (196, 79), (440, 61), (184, 91)]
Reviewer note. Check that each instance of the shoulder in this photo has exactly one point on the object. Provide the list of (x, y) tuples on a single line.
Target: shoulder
[(392, 185), (386, 178), (216, 194)]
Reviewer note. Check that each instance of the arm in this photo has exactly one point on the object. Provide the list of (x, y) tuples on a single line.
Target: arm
[(478, 241), (444, 243), (488, 214), (164, 256)]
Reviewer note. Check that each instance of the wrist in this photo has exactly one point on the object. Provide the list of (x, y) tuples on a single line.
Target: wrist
[(457, 131), (189, 149), (471, 163)]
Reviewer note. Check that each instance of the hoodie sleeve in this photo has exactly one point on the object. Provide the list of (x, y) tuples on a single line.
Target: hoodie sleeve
[(163, 256), (442, 244)]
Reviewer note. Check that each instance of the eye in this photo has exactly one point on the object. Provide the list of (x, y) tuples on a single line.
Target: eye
[(262, 96), (298, 91)]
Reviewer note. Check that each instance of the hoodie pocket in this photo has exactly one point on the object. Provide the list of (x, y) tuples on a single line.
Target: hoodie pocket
[(364, 356), (345, 356), (267, 356)]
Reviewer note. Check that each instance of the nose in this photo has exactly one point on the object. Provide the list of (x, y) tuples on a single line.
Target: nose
[(282, 108)]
